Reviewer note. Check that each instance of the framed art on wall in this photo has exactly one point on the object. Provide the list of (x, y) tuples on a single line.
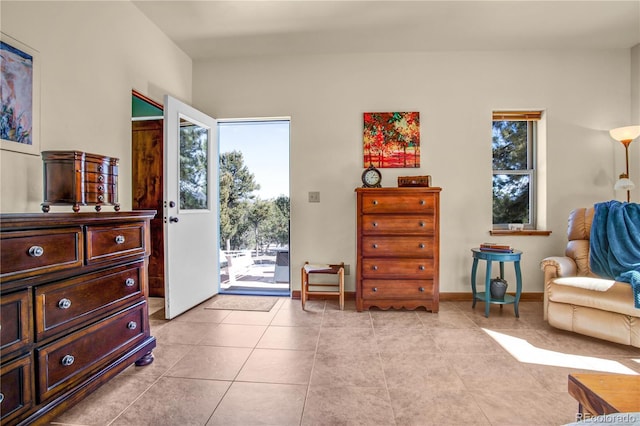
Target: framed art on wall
[(392, 139), (19, 97)]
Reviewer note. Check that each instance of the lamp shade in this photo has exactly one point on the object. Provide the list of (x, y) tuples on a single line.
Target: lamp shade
[(624, 184), (627, 133)]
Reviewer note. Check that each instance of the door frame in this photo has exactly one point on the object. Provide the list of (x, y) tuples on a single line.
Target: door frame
[(258, 291)]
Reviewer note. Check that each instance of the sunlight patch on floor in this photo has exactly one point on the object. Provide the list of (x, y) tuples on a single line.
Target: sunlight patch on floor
[(524, 351)]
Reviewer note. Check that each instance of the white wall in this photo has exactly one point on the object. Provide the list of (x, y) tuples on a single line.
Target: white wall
[(92, 54), (585, 93)]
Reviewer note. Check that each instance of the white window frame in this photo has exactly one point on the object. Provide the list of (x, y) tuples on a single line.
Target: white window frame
[(536, 170)]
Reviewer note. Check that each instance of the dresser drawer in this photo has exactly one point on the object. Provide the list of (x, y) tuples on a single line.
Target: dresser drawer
[(100, 197), (397, 224), (381, 246), (76, 356), (392, 203), (15, 317), (99, 188), (108, 242), (63, 305), (397, 289), (418, 269), (15, 388), (101, 167), (99, 178), (27, 253)]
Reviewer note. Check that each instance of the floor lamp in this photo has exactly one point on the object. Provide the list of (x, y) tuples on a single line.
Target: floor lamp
[(625, 135)]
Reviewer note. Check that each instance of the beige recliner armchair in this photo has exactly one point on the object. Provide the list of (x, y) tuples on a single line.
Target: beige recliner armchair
[(577, 300)]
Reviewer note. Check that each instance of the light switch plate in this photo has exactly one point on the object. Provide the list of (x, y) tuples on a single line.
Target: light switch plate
[(314, 196)]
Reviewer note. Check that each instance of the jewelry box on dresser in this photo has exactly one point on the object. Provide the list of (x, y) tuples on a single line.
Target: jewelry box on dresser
[(74, 296), (398, 248), (78, 178)]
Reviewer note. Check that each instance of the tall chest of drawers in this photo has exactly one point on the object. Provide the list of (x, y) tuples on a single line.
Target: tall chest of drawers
[(398, 243), (73, 295)]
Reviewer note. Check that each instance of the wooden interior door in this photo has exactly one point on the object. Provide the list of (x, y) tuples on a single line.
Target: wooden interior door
[(147, 191)]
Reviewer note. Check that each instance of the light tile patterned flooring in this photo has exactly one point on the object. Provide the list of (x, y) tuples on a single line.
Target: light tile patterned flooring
[(324, 366)]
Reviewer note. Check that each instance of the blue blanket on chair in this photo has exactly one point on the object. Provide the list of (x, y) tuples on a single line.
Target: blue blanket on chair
[(615, 243)]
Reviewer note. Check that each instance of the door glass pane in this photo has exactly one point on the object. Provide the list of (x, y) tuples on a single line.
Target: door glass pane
[(194, 167)]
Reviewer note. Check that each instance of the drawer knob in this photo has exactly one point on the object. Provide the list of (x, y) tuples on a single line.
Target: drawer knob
[(129, 282), (375, 224), (120, 239), (421, 245), (421, 289), (67, 360), (375, 202), (375, 289), (64, 303), (36, 251), (374, 267), (100, 178), (421, 267), (1, 397), (101, 198), (422, 202), (422, 224), (100, 188), (132, 325), (100, 168), (375, 246)]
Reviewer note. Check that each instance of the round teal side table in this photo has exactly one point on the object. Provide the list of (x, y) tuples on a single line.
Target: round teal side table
[(490, 257)]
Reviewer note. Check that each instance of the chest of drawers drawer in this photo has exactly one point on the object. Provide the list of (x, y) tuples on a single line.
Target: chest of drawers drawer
[(73, 357), (63, 305), (400, 246), (15, 388), (412, 203), (398, 224), (108, 242), (27, 252), (99, 179), (15, 311), (98, 164), (397, 289), (418, 269)]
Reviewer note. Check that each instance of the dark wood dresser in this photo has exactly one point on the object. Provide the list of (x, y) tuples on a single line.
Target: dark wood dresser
[(398, 244), (73, 294)]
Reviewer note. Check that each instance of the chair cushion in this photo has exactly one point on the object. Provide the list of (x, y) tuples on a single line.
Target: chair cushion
[(594, 293)]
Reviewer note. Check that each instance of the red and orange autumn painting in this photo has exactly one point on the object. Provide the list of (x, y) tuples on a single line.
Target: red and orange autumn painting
[(392, 139)]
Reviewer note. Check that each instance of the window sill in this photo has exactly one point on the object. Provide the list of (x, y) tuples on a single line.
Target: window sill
[(525, 232)]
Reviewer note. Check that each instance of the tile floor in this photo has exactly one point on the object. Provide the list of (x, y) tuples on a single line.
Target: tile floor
[(331, 367)]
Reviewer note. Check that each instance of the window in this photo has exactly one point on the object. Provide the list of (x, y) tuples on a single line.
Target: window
[(514, 168)]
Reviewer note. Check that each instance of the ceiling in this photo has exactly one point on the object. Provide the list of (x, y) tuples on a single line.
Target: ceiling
[(211, 28)]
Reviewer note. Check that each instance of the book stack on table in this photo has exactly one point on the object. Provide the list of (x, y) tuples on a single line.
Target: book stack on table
[(499, 248)]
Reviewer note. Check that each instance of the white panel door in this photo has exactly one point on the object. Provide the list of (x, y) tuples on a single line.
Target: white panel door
[(190, 207)]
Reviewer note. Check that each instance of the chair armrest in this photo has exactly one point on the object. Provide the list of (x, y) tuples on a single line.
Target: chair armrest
[(556, 267)]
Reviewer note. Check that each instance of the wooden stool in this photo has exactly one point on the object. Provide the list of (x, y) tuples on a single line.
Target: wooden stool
[(337, 269)]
